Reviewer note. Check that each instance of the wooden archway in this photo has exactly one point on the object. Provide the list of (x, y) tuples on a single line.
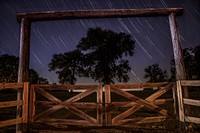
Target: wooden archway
[(26, 18)]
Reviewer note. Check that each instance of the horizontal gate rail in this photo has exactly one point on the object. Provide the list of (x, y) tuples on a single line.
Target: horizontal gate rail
[(70, 104), (136, 103), (23, 103), (182, 101)]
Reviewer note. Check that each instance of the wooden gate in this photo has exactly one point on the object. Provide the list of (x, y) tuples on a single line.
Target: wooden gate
[(135, 103), (21, 103), (72, 104), (186, 101)]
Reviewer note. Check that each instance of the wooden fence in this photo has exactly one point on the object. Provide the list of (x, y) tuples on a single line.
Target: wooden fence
[(23, 103), (185, 101), (72, 104), (108, 106), (135, 103)]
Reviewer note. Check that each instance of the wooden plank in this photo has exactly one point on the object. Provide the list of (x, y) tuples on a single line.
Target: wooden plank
[(160, 92), (10, 104), (130, 104), (107, 105), (142, 85), (191, 102), (91, 105), (10, 122), (103, 13), (139, 101), (32, 103), (66, 87), (11, 86), (25, 102), (126, 113), (180, 102), (192, 119), (142, 120), (190, 82), (65, 121), (100, 106)]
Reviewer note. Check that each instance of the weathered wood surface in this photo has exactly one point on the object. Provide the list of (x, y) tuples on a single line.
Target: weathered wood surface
[(142, 85), (10, 122), (180, 102), (65, 87), (11, 86), (143, 120), (130, 104), (70, 104), (21, 103), (24, 52), (32, 103), (25, 102), (192, 119), (90, 105), (59, 104), (10, 103), (190, 83), (137, 105), (65, 121), (140, 101), (24, 57), (191, 102), (107, 105), (103, 13), (99, 105), (178, 54)]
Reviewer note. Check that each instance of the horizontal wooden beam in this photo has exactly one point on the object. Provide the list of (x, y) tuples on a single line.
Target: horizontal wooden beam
[(103, 13)]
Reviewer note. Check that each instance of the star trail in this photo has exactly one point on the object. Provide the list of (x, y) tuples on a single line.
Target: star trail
[(151, 34)]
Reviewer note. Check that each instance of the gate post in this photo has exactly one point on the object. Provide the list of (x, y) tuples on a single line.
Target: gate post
[(107, 105), (100, 106), (23, 61)]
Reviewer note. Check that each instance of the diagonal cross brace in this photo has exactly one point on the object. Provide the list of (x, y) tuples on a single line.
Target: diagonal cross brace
[(139, 103), (65, 104)]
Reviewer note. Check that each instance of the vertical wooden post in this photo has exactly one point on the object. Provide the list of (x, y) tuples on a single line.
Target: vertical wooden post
[(23, 61), (32, 103), (107, 105), (25, 103), (180, 102), (99, 102), (175, 97), (178, 55)]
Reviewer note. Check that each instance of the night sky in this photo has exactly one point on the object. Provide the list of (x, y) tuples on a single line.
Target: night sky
[(151, 34)]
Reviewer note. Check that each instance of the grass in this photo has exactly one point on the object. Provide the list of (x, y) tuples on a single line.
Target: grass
[(166, 126)]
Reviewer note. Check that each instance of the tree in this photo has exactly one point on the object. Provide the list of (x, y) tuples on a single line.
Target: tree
[(9, 70), (67, 66), (34, 78), (191, 62), (105, 52), (196, 52), (155, 74)]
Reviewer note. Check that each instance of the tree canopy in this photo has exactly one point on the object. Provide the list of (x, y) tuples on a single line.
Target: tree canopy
[(102, 58), (9, 71), (67, 66), (155, 74)]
